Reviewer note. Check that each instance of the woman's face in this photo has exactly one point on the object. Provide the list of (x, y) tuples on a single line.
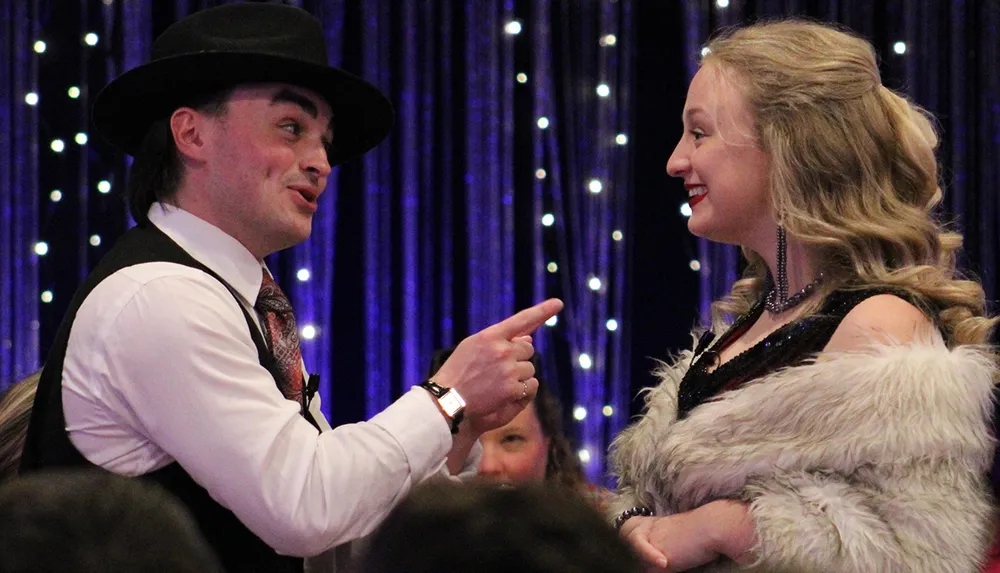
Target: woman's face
[(516, 453), (725, 172)]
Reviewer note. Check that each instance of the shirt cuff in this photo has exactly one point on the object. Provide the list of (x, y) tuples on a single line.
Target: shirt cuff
[(423, 433)]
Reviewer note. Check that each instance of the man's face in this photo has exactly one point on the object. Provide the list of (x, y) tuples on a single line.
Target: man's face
[(266, 160)]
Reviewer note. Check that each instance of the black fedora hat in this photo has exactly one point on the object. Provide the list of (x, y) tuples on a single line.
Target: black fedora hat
[(233, 44)]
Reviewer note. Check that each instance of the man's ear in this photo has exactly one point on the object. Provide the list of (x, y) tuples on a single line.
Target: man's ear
[(190, 131)]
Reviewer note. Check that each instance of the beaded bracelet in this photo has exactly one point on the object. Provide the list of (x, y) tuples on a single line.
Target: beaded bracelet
[(631, 512)]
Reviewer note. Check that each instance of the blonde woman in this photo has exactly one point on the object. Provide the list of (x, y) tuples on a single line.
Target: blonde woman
[(835, 417)]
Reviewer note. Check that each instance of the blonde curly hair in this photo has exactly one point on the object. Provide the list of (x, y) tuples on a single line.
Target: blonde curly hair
[(15, 413), (853, 172)]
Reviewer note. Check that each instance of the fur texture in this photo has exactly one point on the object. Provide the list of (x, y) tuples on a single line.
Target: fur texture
[(867, 462)]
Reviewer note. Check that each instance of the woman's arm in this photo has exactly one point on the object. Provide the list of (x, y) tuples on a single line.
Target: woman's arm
[(686, 540), (916, 518)]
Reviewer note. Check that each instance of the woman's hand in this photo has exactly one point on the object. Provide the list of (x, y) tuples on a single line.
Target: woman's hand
[(636, 532), (731, 528), (683, 539), (687, 540)]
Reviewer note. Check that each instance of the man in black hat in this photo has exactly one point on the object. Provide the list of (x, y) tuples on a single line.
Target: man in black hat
[(178, 359)]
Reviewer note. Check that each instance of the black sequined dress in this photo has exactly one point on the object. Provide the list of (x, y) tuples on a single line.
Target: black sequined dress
[(789, 345)]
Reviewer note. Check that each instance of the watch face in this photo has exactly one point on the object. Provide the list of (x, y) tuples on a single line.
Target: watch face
[(452, 403)]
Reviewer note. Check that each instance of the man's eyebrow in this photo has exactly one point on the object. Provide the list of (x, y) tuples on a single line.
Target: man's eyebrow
[(286, 95), (289, 96)]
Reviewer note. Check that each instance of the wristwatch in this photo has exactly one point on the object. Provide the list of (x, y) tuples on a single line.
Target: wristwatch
[(449, 400)]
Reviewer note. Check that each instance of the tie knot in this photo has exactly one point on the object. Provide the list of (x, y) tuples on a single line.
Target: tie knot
[(271, 298)]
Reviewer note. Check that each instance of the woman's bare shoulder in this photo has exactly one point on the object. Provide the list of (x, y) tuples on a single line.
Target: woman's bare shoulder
[(883, 318)]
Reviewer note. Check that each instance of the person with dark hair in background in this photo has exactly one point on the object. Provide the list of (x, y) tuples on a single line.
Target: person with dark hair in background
[(481, 528), (533, 447), (86, 521), (178, 360), (15, 412)]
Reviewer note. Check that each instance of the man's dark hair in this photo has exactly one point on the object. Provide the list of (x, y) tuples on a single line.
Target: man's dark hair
[(445, 528), (90, 521), (156, 170), (563, 467)]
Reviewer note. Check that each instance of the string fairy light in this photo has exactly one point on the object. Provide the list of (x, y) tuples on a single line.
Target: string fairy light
[(599, 222)]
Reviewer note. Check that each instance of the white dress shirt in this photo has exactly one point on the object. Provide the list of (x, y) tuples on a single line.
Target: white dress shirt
[(160, 367)]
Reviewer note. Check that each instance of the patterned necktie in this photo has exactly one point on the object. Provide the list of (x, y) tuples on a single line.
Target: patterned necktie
[(282, 336)]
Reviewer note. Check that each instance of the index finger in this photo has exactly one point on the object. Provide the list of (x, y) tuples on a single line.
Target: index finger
[(526, 321)]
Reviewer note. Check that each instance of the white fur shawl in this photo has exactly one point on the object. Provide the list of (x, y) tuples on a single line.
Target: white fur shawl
[(860, 462)]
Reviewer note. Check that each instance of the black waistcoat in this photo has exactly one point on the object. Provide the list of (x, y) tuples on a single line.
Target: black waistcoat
[(48, 445)]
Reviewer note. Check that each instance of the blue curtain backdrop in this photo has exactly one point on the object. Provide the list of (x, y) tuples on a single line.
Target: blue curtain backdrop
[(527, 161), (19, 137)]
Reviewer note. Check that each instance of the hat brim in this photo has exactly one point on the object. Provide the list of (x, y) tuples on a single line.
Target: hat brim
[(124, 110)]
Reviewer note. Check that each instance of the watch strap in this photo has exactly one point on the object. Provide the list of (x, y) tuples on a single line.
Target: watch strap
[(439, 392)]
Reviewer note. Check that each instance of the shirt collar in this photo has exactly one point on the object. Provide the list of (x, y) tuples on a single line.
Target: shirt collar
[(212, 247)]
